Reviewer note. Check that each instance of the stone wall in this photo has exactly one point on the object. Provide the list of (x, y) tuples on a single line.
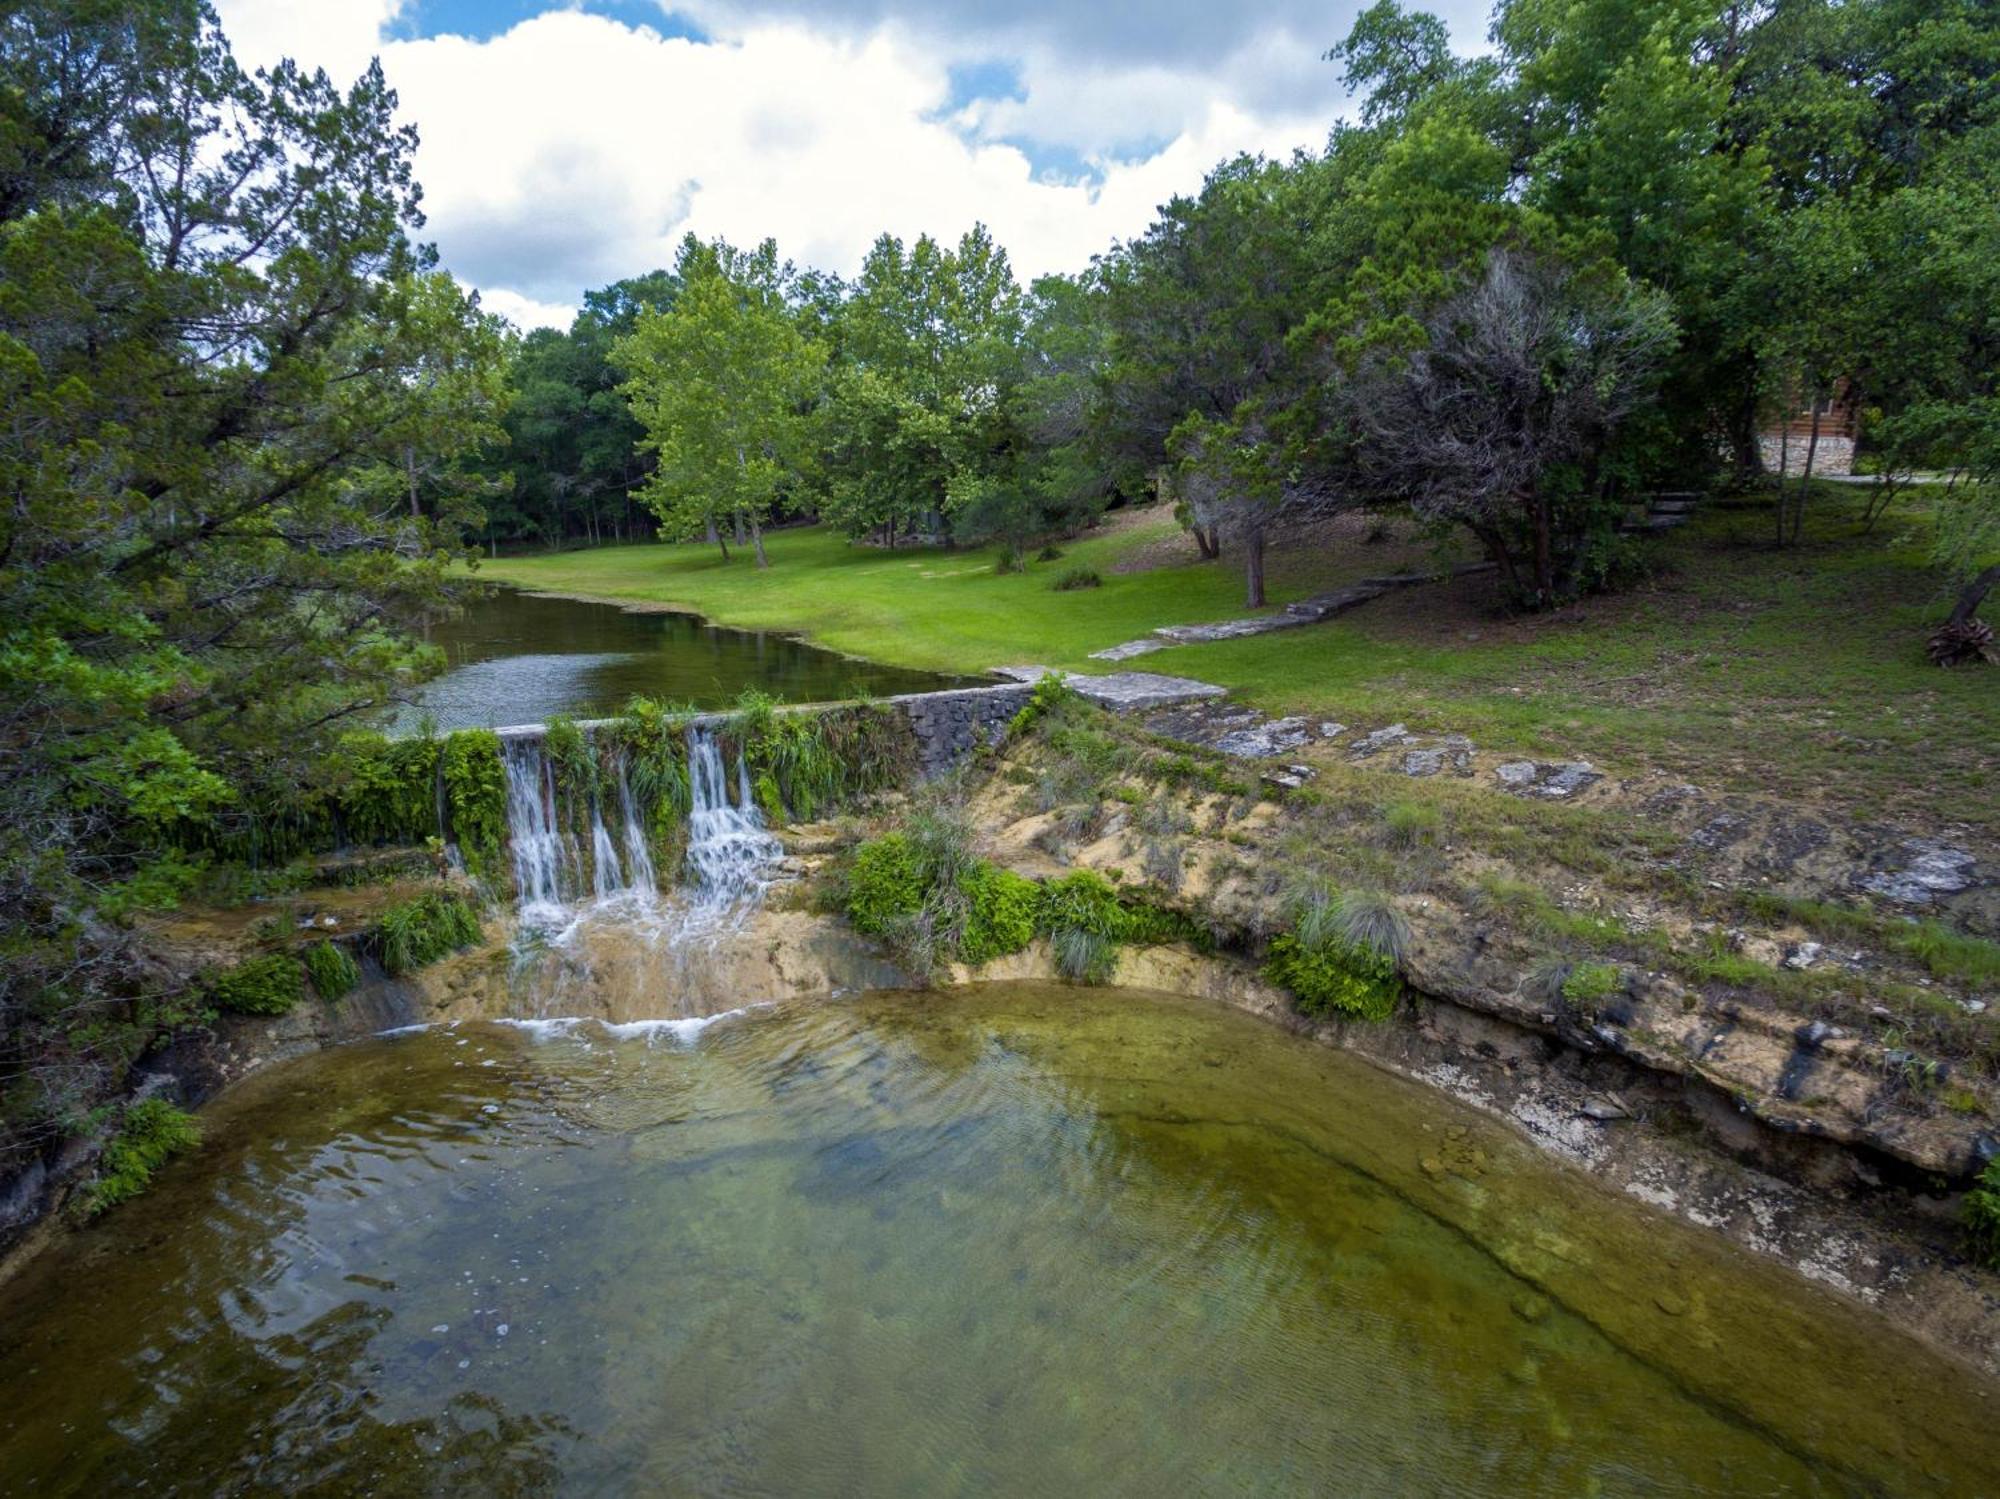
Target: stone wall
[(950, 726), (1834, 455)]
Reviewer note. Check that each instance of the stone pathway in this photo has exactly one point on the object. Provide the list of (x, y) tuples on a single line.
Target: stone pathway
[(1123, 691), (1305, 612)]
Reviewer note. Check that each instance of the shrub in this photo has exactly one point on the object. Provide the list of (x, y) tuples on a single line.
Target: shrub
[(1049, 553), (422, 930), (885, 885), (1073, 578), (152, 1132), (1982, 1216), (332, 970), (1009, 561), (1000, 914), (1085, 922), (1334, 977), (269, 985)]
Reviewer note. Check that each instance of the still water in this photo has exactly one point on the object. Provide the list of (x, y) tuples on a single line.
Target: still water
[(517, 658), (1019, 1240)]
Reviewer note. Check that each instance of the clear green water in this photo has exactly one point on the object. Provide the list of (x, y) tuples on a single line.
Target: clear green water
[(516, 658), (1021, 1240)]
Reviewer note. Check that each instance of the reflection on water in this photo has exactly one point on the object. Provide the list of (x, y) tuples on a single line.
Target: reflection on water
[(1022, 1241), (516, 658)]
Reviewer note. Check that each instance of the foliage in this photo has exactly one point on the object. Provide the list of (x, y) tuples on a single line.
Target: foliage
[(1085, 923), (1333, 977), (1051, 700), (923, 891), (1077, 577), (1982, 1216), (718, 381), (150, 1133), (423, 929), (885, 884), (475, 792), (332, 969), (1586, 986), (1001, 909), (272, 984)]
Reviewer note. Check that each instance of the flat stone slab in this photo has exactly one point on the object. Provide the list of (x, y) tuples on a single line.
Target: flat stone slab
[(1122, 691), (1130, 649), (1552, 779), (1921, 870)]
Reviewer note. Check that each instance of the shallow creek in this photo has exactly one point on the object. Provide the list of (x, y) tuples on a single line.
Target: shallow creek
[(1015, 1239)]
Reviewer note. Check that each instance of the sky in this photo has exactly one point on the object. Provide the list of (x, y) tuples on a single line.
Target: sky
[(567, 145)]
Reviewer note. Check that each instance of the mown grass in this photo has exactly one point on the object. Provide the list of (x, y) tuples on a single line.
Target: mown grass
[(1797, 674)]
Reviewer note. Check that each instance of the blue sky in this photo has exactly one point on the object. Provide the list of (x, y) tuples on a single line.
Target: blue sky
[(567, 145)]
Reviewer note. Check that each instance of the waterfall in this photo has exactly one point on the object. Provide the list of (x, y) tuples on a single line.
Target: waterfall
[(730, 854), (551, 874), (558, 879)]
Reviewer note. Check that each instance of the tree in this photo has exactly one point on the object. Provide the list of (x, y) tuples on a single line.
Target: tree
[(228, 370), (719, 384), (1498, 421)]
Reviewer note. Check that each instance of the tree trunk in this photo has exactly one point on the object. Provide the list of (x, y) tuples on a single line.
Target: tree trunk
[(715, 537), (1974, 595), (1784, 467), (1253, 567), (1206, 542), (1805, 478), (740, 538), (410, 469), (757, 538)]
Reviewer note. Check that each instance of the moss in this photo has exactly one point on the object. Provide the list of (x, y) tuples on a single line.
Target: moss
[(1332, 977), (420, 931), (1982, 1216), (269, 985), (333, 971), (151, 1133), (475, 790)]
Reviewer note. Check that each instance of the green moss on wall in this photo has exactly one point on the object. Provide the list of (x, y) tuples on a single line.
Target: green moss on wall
[(150, 1133)]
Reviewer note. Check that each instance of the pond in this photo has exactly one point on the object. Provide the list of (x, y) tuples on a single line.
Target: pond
[(519, 658), (1014, 1240)]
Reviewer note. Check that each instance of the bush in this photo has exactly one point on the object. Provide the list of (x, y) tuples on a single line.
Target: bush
[(885, 885), (1982, 1216), (1049, 553), (1334, 977), (1009, 562), (420, 931), (1074, 578), (1052, 698), (269, 985), (1000, 915), (151, 1133), (1085, 922), (332, 970)]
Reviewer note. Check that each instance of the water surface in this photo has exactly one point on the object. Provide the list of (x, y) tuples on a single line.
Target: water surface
[(1023, 1240), (520, 658)]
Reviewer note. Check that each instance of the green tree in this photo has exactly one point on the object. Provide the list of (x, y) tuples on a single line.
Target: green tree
[(719, 384)]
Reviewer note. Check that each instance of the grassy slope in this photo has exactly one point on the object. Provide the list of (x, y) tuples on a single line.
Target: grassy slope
[(1798, 674)]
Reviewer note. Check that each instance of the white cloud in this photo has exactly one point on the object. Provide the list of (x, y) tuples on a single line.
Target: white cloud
[(575, 149)]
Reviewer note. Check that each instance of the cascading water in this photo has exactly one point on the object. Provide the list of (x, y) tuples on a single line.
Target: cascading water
[(551, 875), (731, 854)]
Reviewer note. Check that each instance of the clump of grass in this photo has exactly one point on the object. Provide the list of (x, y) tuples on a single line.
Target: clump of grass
[(1074, 578), (1085, 922), (332, 969), (1982, 1216), (1949, 954), (1587, 986), (933, 900), (1412, 824), (418, 932), (150, 1134), (1324, 916), (272, 984)]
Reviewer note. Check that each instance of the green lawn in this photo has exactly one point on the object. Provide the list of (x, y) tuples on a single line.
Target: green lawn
[(1798, 674)]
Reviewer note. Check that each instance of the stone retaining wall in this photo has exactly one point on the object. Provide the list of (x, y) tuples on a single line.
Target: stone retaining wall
[(948, 726)]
